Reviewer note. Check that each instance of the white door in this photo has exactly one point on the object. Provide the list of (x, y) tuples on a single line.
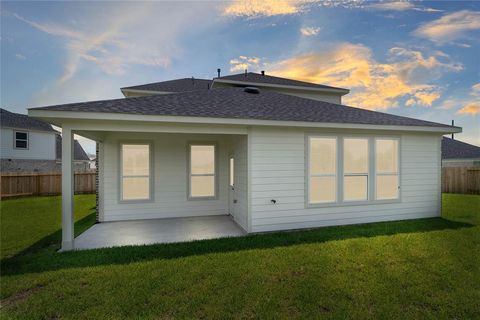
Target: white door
[(231, 187)]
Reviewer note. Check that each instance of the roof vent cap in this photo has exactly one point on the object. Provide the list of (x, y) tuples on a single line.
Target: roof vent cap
[(253, 90)]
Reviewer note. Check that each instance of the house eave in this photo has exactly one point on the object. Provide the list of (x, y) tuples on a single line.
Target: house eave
[(59, 117)]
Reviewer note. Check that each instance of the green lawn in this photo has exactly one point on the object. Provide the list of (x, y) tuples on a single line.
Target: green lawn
[(427, 268)]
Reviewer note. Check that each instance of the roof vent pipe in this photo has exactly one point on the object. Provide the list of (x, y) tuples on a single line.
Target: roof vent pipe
[(218, 71), (263, 72), (253, 90), (453, 125)]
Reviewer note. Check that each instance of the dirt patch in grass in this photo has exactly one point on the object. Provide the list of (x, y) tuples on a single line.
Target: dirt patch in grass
[(20, 296)]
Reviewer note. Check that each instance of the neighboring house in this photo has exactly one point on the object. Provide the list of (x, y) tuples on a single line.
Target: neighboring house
[(273, 156), (459, 154), (30, 145), (81, 159)]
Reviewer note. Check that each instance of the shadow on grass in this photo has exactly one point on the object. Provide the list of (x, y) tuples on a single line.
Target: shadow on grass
[(39, 258)]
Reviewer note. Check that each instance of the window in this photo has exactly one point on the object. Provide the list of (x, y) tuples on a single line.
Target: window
[(344, 170), (21, 140), (355, 169), (202, 182), (322, 170), (135, 172), (232, 172), (386, 167)]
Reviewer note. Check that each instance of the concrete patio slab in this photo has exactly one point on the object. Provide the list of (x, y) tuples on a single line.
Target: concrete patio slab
[(139, 232)]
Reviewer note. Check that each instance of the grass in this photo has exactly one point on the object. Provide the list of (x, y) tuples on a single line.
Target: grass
[(30, 223), (426, 268)]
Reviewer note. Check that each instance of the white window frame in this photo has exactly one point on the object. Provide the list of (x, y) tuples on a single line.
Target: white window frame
[(215, 170), (371, 178), (26, 140), (397, 173), (315, 175), (150, 176), (356, 174)]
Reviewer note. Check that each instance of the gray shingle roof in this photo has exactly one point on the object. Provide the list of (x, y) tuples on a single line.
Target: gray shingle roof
[(267, 79), (234, 103), (22, 121), (178, 85), (454, 149), (78, 152)]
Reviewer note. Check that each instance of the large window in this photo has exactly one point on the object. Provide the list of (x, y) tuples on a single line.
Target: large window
[(355, 169), (202, 180), (135, 172), (350, 169), (386, 167), (21, 140), (322, 170)]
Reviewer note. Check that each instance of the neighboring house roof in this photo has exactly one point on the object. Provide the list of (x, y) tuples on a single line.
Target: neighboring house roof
[(21, 121), (78, 152), (454, 149), (267, 79), (177, 85), (235, 103)]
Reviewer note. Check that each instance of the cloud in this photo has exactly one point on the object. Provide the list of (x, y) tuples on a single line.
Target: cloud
[(100, 49), (268, 8), (261, 8), (450, 27), (470, 106), (112, 49), (407, 75), (448, 104), (475, 90), (123, 38), (20, 56), (470, 109), (310, 31), (399, 6), (245, 63)]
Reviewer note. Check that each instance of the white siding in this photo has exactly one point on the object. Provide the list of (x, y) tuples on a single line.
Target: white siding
[(278, 172), (170, 178), (41, 145), (307, 94), (239, 145), (327, 97)]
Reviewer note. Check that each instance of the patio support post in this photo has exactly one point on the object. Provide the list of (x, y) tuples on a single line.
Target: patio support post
[(67, 189)]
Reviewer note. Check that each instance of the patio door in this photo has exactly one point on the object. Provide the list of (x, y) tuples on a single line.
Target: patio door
[(231, 187)]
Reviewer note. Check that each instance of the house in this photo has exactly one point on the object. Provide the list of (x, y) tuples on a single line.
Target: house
[(273, 153), (459, 154), (30, 145)]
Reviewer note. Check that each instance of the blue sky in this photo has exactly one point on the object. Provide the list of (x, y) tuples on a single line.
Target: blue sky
[(417, 59)]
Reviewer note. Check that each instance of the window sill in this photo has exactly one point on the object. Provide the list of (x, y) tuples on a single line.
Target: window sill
[(202, 198), (350, 203), (135, 201)]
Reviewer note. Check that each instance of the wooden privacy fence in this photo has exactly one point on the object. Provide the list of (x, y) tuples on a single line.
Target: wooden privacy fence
[(454, 180), (15, 184), (461, 180)]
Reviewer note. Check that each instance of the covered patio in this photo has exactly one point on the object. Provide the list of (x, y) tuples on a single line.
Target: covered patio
[(144, 232), (162, 203)]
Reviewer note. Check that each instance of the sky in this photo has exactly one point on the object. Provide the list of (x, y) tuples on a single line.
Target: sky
[(417, 59)]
